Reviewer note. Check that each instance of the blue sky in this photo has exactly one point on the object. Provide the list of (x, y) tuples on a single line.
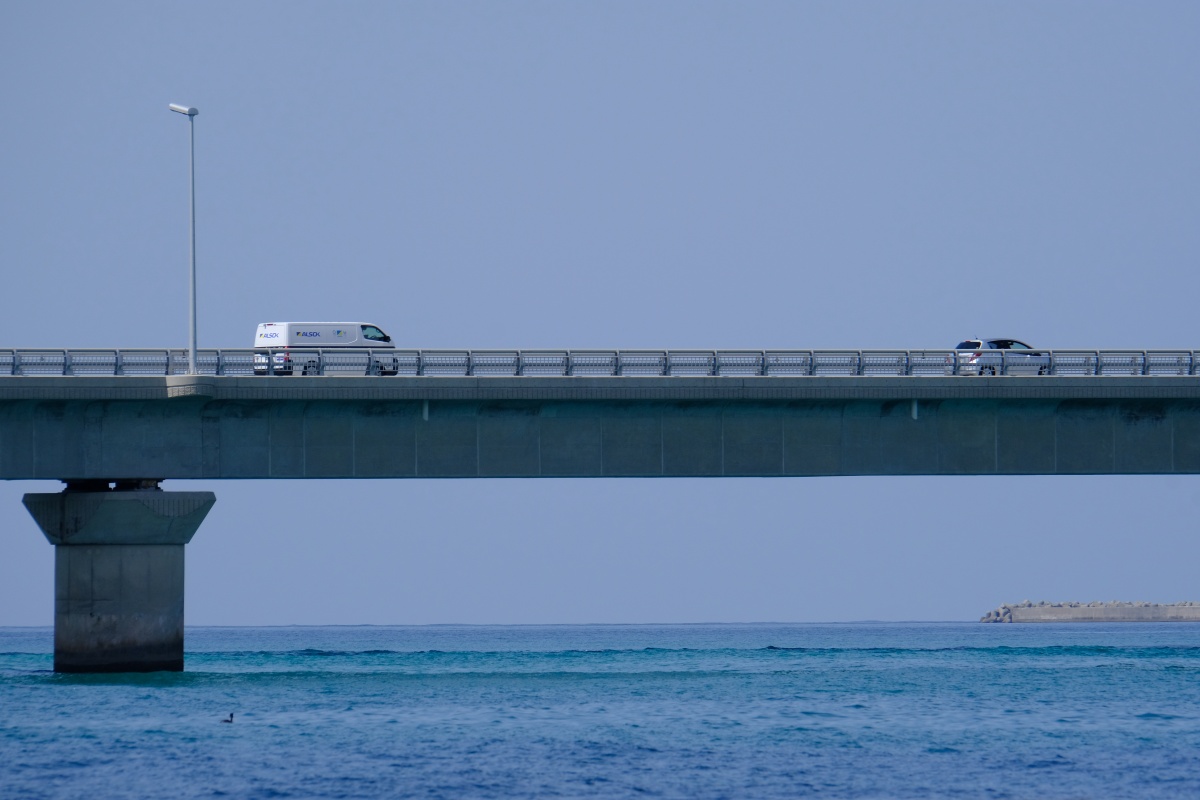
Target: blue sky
[(637, 175)]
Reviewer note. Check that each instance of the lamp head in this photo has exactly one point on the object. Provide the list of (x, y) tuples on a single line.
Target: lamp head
[(191, 112)]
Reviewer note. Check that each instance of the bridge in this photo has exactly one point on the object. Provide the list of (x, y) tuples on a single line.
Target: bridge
[(113, 426)]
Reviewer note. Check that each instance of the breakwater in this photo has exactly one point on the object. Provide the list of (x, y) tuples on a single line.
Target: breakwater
[(1115, 611)]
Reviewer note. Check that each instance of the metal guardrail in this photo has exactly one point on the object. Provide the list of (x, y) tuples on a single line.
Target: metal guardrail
[(598, 363)]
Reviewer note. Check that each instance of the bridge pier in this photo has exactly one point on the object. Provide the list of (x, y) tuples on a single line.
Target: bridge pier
[(118, 572)]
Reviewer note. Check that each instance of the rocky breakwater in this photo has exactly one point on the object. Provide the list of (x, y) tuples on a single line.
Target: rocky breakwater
[(1115, 611)]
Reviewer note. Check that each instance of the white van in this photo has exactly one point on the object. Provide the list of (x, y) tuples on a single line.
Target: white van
[(300, 348)]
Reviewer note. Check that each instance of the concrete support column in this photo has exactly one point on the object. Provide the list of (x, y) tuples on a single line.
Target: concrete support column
[(118, 573)]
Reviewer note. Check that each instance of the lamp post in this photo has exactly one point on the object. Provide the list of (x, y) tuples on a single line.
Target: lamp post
[(191, 115)]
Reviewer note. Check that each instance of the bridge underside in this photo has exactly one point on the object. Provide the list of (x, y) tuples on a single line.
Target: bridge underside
[(202, 437), (119, 552)]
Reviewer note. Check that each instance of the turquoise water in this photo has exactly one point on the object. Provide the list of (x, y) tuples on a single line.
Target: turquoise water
[(710, 711)]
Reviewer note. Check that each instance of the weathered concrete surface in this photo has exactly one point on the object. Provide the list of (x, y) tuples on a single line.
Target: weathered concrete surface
[(584, 388), (118, 576), (370, 427), (1109, 614)]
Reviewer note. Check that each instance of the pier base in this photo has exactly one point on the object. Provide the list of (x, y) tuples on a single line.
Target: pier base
[(118, 574)]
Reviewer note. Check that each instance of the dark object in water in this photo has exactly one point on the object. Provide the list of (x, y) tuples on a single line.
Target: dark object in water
[(230, 720)]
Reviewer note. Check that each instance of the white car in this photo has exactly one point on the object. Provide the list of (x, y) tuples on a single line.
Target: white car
[(998, 356), (317, 348)]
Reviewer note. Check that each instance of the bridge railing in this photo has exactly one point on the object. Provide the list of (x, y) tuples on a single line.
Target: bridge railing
[(598, 363)]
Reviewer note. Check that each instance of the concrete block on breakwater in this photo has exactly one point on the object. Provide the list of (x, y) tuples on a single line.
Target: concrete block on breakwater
[(1115, 611)]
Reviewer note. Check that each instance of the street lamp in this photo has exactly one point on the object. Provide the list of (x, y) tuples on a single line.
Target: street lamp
[(191, 115)]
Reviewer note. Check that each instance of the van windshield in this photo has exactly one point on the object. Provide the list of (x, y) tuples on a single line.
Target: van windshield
[(374, 334)]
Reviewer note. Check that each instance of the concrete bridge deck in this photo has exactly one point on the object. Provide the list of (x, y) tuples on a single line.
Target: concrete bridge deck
[(119, 553), (400, 427), (583, 388)]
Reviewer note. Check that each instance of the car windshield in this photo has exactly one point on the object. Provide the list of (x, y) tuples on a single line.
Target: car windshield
[(969, 345)]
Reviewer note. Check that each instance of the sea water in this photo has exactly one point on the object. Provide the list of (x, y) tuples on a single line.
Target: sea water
[(707, 711)]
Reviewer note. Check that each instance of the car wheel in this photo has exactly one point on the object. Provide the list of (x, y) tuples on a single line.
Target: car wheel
[(1042, 371), (987, 371)]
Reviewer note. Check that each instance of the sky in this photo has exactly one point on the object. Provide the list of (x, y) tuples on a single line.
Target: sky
[(617, 174)]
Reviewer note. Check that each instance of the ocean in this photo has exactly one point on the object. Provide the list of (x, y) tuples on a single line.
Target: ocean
[(865, 710)]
